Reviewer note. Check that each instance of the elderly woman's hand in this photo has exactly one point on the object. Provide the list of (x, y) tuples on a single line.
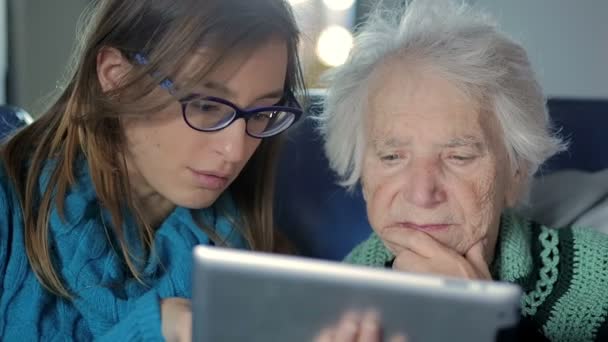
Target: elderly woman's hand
[(418, 252)]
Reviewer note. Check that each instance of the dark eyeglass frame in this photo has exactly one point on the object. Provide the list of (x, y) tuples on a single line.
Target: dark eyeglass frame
[(238, 112)]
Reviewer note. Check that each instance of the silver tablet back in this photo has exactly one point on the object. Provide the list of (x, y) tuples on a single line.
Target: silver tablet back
[(247, 296)]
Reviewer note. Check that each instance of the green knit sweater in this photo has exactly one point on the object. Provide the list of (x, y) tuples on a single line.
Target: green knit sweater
[(563, 273)]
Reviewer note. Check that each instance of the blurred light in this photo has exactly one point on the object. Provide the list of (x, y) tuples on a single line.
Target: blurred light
[(334, 45), (338, 5), (295, 2)]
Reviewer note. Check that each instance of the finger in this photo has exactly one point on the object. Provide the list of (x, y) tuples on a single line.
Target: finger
[(419, 242), (408, 261), (348, 328), (398, 338), (370, 328), (476, 256), (326, 335), (453, 266)]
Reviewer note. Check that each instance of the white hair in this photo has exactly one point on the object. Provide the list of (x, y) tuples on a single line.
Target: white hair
[(468, 48)]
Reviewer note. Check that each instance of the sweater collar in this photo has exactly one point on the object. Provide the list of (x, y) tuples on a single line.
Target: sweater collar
[(512, 260)]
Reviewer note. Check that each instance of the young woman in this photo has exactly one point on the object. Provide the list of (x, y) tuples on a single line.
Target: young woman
[(163, 138)]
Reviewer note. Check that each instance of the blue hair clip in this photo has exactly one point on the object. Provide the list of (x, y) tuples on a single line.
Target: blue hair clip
[(165, 83), (140, 59)]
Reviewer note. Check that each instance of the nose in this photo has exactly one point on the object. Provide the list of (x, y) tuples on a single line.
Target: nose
[(232, 142), (424, 187)]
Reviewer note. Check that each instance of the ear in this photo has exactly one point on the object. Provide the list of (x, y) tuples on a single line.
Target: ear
[(516, 185), (112, 67)]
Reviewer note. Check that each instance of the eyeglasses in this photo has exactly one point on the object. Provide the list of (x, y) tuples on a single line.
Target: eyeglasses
[(211, 114)]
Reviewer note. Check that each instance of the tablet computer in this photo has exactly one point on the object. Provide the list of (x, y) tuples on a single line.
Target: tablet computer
[(251, 296)]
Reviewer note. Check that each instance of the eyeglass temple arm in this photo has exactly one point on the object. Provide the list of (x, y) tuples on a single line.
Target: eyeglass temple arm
[(165, 82)]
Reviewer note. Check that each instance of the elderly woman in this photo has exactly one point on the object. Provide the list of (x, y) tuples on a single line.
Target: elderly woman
[(439, 117)]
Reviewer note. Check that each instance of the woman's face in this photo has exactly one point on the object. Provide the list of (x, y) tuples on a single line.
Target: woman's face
[(434, 161), (174, 163)]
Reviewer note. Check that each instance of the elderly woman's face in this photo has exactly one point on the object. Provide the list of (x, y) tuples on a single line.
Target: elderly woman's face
[(433, 162)]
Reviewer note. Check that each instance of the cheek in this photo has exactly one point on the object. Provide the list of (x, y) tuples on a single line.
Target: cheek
[(374, 179), (379, 192), (480, 202), (160, 136), (139, 139), (371, 193), (252, 146)]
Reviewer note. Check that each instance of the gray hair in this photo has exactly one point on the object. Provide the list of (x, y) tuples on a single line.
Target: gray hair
[(468, 48)]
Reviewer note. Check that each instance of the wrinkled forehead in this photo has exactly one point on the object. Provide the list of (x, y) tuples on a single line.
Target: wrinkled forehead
[(415, 75), (408, 79), (408, 99)]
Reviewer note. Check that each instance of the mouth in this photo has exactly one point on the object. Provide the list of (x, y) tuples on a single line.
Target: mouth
[(425, 227), (210, 180)]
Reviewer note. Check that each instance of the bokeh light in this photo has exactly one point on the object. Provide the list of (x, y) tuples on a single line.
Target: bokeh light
[(334, 45), (339, 5), (295, 2)]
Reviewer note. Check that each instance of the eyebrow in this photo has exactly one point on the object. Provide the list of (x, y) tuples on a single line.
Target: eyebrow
[(275, 94), (466, 141), (391, 142)]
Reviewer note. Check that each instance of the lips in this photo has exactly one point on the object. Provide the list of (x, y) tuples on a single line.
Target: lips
[(426, 227), (210, 180)]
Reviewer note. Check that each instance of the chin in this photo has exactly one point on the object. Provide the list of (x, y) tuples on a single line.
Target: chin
[(197, 202)]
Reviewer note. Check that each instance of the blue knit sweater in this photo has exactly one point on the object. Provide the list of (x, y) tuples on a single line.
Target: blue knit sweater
[(108, 305)]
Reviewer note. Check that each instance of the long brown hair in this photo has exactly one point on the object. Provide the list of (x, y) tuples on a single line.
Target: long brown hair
[(84, 120)]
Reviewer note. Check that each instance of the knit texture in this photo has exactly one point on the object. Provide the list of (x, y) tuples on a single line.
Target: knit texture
[(563, 274), (108, 305)]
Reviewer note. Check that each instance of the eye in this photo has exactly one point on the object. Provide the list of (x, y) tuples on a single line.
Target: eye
[(460, 159), (207, 107), (389, 157), (264, 115)]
